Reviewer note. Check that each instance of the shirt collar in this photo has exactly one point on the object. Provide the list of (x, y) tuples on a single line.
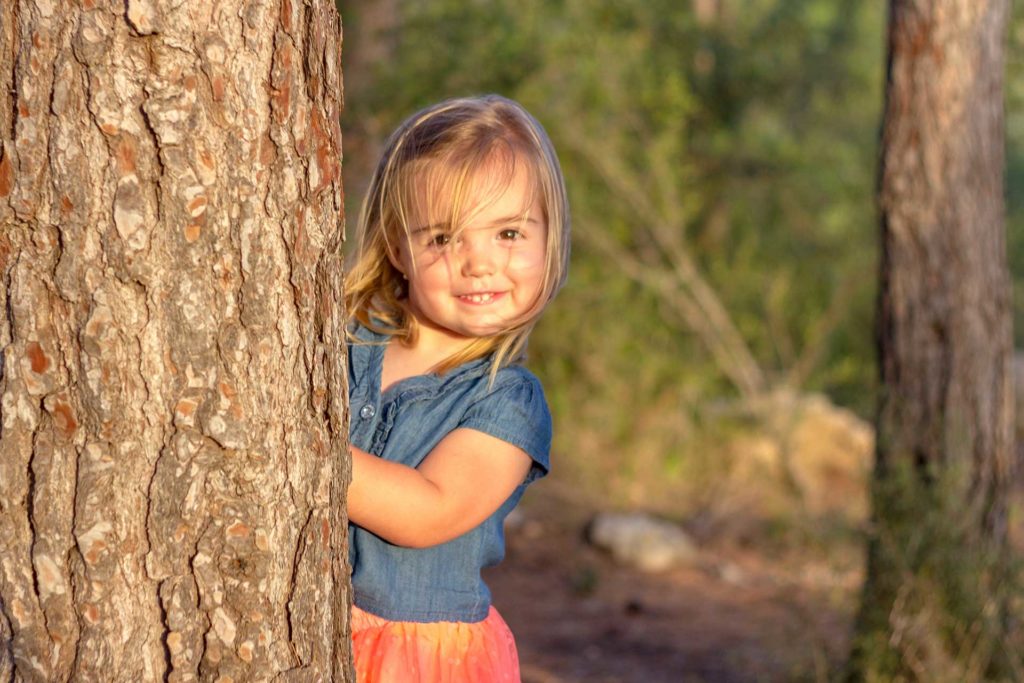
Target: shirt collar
[(368, 357)]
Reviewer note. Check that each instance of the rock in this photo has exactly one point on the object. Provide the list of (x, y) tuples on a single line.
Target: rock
[(641, 541), (518, 524), (805, 451), (829, 456), (731, 573)]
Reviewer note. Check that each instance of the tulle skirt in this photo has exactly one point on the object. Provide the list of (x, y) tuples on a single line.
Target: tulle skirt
[(439, 652)]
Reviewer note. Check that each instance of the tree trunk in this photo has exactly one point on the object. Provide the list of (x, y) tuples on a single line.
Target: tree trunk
[(173, 453), (934, 600)]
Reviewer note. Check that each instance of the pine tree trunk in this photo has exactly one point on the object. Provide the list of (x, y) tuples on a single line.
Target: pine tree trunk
[(173, 452), (933, 601)]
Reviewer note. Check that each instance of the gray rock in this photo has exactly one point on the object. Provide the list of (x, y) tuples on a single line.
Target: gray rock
[(641, 541), (731, 573)]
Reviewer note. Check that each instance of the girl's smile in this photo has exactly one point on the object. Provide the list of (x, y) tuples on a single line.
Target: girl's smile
[(479, 299)]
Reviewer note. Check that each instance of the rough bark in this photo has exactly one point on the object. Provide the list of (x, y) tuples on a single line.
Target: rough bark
[(173, 455), (945, 440)]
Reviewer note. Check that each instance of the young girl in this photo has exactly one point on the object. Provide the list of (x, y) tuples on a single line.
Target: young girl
[(463, 240)]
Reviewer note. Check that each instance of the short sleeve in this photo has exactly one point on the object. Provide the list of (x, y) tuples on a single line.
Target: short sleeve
[(516, 412)]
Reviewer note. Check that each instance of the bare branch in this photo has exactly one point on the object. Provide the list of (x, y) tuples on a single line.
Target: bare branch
[(699, 305)]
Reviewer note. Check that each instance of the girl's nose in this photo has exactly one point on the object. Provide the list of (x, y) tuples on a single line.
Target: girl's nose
[(477, 259)]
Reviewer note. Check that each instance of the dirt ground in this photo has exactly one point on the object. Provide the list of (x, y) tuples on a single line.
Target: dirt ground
[(738, 615)]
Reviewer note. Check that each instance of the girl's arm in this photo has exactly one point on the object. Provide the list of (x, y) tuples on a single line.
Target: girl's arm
[(457, 486)]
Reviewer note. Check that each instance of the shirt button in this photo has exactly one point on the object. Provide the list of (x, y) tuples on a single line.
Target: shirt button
[(367, 411)]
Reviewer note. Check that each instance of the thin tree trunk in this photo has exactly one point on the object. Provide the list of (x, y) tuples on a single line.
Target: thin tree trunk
[(933, 598), (172, 436)]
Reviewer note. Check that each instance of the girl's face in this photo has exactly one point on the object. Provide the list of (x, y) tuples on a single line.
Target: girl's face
[(484, 280)]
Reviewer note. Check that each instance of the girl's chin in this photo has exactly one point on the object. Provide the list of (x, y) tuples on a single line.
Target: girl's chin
[(469, 334), (463, 334), (465, 330)]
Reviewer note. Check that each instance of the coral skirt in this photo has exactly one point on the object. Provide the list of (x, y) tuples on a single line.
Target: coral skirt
[(439, 652)]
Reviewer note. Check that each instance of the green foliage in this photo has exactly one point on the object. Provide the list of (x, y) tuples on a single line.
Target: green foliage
[(746, 136), (1015, 164), (932, 606)]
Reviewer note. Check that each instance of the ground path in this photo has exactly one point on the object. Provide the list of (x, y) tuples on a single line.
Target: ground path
[(740, 616)]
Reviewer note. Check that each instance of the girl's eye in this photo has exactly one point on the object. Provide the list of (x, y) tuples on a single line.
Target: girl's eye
[(510, 234), (439, 240)]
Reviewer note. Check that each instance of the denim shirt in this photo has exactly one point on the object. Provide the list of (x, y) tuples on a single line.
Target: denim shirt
[(442, 582)]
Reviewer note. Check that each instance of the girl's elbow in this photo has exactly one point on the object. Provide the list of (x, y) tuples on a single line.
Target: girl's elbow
[(424, 536), (421, 541)]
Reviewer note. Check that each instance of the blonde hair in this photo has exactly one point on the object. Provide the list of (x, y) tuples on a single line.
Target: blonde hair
[(451, 142)]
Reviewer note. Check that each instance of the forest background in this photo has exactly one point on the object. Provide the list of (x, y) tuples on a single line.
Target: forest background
[(721, 158), (721, 161), (712, 359)]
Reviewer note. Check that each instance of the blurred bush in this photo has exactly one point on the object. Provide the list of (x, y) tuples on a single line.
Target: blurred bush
[(720, 157)]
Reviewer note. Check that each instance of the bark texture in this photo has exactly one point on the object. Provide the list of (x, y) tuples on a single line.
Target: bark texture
[(173, 454), (945, 435)]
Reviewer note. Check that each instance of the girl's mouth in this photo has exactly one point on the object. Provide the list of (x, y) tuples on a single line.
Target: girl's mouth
[(479, 298)]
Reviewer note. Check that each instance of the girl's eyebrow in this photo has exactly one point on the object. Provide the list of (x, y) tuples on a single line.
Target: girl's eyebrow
[(515, 220), (507, 220), (433, 227)]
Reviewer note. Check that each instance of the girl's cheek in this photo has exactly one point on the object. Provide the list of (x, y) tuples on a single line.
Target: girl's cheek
[(431, 258), (530, 261)]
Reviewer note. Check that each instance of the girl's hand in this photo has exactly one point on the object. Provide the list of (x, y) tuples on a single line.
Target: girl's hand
[(457, 486)]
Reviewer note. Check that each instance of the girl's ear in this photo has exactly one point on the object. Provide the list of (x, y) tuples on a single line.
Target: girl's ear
[(395, 257)]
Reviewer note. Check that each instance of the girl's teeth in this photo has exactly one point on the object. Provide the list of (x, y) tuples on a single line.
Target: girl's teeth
[(479, 298)]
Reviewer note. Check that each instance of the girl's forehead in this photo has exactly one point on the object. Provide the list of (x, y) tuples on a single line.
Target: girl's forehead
[(439, 194)]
